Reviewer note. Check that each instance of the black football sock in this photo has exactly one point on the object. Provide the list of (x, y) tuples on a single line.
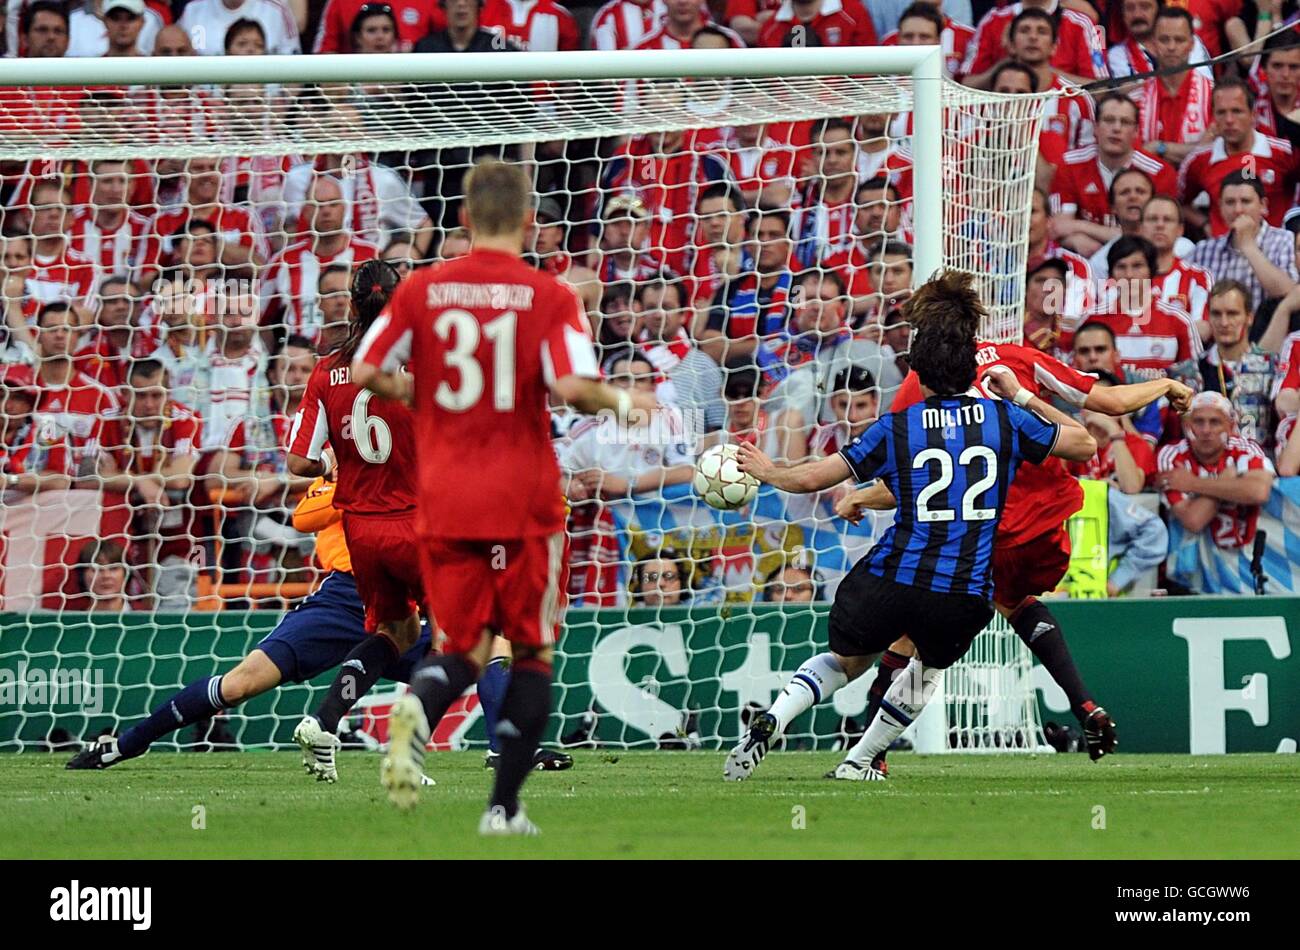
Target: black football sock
[(439, 680), (360, 671), (1035, 625), (524, 712), (886, 669)]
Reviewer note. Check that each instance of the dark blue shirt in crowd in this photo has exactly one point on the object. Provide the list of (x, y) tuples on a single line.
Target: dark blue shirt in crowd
[(949, 461)]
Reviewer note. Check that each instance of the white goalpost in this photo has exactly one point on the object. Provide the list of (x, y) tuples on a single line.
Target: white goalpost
[(250, 139)]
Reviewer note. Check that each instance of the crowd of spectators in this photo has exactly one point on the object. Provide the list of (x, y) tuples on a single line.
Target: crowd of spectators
[(161, 316)]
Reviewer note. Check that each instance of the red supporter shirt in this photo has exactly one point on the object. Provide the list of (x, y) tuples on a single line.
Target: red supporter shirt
[(1102, 465), (533, 24), (1271, 160), (1181, 116), (624, 24), (77, 410), (68, 275), (373, 440), (1187, 286), (1079, 47), (836, 24), (485, 335), (110, 251), (1150, 343), (234, 226), (1234, 525), (416, 19), (1290, 352), (37, 450), (955, 41), (1081, 186), (1041, 497)]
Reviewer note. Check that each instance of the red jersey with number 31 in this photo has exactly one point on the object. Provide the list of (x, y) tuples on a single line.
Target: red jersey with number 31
[(1041, 497), (485, 335), (373, 440)]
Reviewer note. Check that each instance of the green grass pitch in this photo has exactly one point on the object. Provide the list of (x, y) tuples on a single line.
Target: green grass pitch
[(658, 804)]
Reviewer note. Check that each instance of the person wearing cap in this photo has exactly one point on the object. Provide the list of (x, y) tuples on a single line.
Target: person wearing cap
[(547, 241), (1247, 373), (34, 454), (1214, 480), (624, 235)]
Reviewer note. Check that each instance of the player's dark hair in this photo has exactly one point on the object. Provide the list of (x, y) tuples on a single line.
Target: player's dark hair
[(945, 314), (373, 284), (1128, 244), (241, 26), (1033, 13), (28, 15), (1239, 177), (1011, 66), (924, 11)]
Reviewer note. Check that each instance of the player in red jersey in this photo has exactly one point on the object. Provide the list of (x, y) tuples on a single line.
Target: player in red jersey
[(1032, 548), (488, 339), (373, 443)]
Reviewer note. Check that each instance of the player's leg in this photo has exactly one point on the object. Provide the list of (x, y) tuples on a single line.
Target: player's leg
[(491, 692), (945, 625), (529, 600), (458, 586), (1021, 573), (388, 583), (254, 675), (892, 663), (856, 626)]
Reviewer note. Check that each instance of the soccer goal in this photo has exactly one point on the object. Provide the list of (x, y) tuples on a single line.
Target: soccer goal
[(180, 231)]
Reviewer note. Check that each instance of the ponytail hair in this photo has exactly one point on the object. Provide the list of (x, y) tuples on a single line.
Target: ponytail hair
[(373, 283)]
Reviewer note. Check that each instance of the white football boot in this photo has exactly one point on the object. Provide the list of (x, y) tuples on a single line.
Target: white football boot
[(850, 771), (494, 823), (318, 748), (402, 772)]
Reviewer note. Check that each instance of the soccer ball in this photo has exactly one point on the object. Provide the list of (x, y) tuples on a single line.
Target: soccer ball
[(720, 482)]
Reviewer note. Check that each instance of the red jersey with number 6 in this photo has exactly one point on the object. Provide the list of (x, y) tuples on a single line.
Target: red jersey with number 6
[(1042, 496), (373, 440), (485, 335)]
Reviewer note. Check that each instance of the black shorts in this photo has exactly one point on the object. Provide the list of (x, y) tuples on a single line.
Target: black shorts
[(871, 612)]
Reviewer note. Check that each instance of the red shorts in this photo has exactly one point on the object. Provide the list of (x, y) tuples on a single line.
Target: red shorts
[(514, 588), (386, 565), (1030, 569)]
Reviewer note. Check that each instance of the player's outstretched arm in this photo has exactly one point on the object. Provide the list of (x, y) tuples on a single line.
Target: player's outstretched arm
[(802, 478), (1074, 443), (1121, 400), (592, 396)]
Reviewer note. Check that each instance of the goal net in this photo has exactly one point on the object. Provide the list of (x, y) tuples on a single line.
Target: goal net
[(741, 226)]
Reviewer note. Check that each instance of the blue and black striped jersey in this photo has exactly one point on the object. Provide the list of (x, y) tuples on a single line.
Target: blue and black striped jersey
[(949, 461)]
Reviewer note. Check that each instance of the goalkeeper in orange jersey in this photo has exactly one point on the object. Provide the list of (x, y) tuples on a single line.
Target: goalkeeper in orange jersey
[(315, 636)]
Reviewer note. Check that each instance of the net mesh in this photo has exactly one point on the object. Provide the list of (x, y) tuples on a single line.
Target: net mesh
[(174, 256)]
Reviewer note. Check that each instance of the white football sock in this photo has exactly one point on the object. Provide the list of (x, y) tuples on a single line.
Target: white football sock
[(814, 682), (902, 703)]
